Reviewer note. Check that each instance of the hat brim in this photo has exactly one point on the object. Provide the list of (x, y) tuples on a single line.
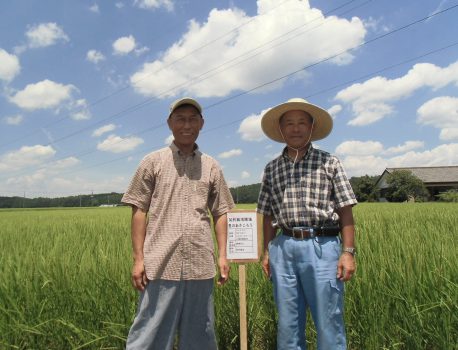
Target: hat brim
[(322, 125)]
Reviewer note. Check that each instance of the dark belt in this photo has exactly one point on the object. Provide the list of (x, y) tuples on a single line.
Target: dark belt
[(311, 232)]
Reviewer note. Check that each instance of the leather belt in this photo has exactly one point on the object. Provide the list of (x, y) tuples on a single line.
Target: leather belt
[(311, 232)]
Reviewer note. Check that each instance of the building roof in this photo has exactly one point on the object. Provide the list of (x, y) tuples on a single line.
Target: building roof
[(437, 174)]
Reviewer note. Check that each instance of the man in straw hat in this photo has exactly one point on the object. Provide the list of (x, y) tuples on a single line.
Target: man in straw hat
[(306, 196), (171, 194)]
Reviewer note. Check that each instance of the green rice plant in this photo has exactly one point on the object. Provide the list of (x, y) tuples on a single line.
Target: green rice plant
[(66, 281)]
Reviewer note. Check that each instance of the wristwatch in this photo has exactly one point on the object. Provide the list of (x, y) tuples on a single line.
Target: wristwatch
[(351, 250)]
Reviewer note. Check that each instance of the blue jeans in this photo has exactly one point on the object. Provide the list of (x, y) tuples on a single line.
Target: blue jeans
[(167, 307), (304, 275)]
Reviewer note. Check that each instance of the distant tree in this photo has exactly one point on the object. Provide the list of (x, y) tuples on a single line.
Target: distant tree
[(403, 186), (448, 196), (364, 188), (246, 193)]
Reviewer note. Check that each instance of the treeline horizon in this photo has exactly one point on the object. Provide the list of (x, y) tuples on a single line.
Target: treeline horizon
[(244, 194)]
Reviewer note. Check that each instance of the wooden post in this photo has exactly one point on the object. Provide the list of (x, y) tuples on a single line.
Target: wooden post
[(243, 319)]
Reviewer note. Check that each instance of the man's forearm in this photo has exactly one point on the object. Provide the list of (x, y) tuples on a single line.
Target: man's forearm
[(347, 226), (221, 234), (138, 233), (268, 231)]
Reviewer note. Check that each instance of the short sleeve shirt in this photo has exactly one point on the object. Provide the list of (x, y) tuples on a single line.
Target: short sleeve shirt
[(304, 193), (178, 191)]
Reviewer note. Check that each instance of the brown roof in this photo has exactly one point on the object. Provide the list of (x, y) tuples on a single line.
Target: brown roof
[(436, 174)]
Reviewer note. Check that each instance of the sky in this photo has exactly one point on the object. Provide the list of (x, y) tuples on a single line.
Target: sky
[(86, 85)]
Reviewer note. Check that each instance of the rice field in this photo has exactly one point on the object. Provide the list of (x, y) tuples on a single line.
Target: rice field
[(65, 281)]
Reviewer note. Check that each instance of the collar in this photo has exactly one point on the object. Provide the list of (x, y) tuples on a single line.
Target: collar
[(176, 150), (306, 154)]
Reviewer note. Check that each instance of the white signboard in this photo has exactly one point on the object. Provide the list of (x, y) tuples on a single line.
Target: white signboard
[(242, 235)]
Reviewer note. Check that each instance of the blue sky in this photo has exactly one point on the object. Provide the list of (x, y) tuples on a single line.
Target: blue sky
[(86, 85)]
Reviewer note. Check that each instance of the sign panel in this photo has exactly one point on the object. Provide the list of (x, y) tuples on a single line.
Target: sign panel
[(243, 233)]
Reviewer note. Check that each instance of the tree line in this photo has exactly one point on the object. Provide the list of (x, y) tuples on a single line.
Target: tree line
[(402, 186), (86, 200)]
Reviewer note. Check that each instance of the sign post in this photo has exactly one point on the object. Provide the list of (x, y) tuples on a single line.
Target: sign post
[(243, 246)]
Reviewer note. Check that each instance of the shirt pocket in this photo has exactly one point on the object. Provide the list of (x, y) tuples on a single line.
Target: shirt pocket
[(199, 194), (316, 191)]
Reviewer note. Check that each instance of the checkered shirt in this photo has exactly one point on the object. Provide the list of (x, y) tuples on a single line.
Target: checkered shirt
[(178, 191), (306, 193)]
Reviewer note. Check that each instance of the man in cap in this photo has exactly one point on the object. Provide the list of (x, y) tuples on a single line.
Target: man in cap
[(306, 196), (171, 193)]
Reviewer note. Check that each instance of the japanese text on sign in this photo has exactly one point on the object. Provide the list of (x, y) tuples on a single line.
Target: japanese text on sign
[(242, 235)]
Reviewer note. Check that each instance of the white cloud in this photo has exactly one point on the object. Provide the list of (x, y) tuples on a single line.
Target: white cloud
[(95, 56), (231, 153), (371, 100), (154, 4), (141, 50), (25, 156), (334, 110), (250, 63), (45, 34), (117, 144), (359, 148), (245, 174), (119, 5), (443, 155), (407, 146), (376, 25), (42, 95), (124, 45), (103, 129), (53, 185), (9, 66), (250, 128), (79, 110), (13, 119), (440, 112), (446, 154), (363, 165), (62, 164), (169, 140), (94, 8), (449, 134)]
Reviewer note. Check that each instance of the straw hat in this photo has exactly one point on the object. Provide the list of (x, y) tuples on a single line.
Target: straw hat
[(322, 124), (185, 101)]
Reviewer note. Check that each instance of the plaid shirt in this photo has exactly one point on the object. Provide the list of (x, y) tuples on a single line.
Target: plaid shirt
[(306, 193), (178, 191)]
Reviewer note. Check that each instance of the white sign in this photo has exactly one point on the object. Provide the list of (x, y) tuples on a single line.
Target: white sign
[(242, 235)]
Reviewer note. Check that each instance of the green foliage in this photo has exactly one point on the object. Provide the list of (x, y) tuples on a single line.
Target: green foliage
[(246, 194), (89, 200), (448, 196), (364, 188), (404, 186), (66, 282)]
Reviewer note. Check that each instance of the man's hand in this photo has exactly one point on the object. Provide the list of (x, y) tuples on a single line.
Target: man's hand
[(224, 270), (346, 267), (139, 279), (265, 265)]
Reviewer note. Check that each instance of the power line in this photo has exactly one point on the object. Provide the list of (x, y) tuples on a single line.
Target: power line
[(147, 75), (304, 68), (149, 100), (194, 80), (346, 83)]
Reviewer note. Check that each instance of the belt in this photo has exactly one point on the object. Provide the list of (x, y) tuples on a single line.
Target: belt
[(311, 232)]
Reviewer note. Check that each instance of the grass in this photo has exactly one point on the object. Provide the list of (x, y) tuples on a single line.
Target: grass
[(66, 281)]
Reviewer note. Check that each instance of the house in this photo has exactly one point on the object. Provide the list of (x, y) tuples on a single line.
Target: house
[(436, 179)]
